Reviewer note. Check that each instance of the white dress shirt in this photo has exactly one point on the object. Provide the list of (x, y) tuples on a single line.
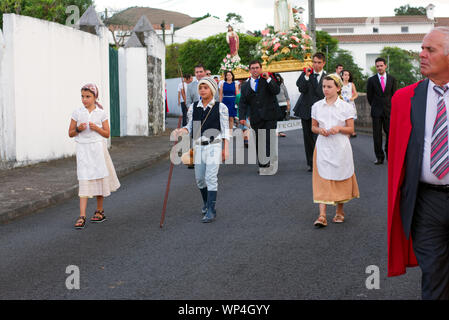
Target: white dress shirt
[(253, 82), (380, 80), (224, 120), (318, 77), (431, 112)]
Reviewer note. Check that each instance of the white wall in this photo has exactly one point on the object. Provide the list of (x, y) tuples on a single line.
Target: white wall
[(362, 51), (383, 28), (133, 92), (172, 96), (45, 65)]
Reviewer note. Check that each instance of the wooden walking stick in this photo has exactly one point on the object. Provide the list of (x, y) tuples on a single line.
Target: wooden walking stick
[(170, 173)]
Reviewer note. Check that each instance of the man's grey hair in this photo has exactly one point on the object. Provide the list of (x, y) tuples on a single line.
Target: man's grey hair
[(445, 32)]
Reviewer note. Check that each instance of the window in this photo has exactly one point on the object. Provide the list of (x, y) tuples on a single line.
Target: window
[(404, 29), (375, 30), (345, 30), (329, 30)]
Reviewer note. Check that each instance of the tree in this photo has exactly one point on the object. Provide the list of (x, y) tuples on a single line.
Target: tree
[(327, 45), (234, 18), (402, 65), (345, 58), (209, 52), (407, 10), (50, 10)]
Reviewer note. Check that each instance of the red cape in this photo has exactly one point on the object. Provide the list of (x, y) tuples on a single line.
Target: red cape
[(400, 250)]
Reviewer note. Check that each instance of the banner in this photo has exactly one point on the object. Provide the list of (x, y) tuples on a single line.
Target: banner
[(289, 125)]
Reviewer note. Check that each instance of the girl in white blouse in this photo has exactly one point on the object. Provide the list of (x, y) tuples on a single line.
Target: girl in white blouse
[(95, 170), (334, 181)]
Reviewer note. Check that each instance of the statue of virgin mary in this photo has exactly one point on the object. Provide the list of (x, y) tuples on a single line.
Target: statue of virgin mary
[(283, 16)]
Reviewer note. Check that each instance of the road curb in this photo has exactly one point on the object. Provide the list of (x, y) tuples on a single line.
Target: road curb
[(31, 207)]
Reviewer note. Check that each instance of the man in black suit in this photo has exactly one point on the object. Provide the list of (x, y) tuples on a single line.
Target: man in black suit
[(310, 84), (258, 100), (380, 89)]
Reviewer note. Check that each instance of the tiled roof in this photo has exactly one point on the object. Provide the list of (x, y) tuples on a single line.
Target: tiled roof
[(383, 38), (115, 27), (382, 20), (442, 22)]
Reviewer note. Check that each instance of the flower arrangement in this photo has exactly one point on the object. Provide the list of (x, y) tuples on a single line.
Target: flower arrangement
[(295, 43), (231, 63)]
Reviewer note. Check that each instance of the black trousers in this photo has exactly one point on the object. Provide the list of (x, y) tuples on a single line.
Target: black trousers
[(184, 114), (430, 236), (309, 140), (380, 123), (263, 125)]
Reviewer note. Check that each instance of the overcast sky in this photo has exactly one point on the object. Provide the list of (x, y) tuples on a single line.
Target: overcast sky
[(257, 13)]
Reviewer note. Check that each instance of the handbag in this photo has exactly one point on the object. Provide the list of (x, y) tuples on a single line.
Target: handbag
[(187, 157)]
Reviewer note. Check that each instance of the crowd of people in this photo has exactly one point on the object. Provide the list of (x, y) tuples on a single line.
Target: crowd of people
[(414, 120)]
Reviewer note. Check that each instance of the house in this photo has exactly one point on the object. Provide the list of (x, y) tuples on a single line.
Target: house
[(365, 37)]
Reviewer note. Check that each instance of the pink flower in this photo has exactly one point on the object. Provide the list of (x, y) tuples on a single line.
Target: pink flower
[(265, 32), (294, 46), (303, 27), (228, 56), (306, 36), (276, 47), (224, 60), (282, 33), (265, 43), (295, 38)]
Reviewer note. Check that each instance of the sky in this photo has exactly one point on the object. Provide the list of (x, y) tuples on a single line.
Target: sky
[(257, 14)]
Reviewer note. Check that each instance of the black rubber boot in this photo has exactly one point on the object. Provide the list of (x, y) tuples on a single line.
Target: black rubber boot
[(211, 212), (204, 195)]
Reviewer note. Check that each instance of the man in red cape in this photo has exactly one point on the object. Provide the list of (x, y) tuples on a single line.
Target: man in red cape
[(418, 197)]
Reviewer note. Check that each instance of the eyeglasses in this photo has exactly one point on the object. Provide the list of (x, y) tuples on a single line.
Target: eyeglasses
[(208, 74)]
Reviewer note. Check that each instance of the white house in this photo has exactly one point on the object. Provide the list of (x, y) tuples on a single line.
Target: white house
[(365, 37), (204, 28)]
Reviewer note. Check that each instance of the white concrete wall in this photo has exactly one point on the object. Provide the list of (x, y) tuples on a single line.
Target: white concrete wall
[(362, 51), (45, 65), (133, 92)]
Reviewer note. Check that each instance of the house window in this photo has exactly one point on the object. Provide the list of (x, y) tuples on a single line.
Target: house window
[(345, 30), (404, 29), (329, 30), (375, 30)]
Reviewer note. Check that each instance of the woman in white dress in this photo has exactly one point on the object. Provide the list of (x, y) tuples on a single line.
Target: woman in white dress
[(95, 170), (334, 181), (349, 92)]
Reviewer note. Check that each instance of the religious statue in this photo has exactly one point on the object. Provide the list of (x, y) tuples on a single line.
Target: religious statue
[(283, 16), (233, 40)]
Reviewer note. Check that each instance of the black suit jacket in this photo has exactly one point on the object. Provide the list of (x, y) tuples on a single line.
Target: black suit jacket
[(311, 92), (379, 100), (261, 105), (413, 156)]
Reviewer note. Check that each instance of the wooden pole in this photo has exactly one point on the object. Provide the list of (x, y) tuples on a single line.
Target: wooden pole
[(170, 172)]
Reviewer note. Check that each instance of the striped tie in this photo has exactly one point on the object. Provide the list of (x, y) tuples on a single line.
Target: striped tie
[(439, 157)]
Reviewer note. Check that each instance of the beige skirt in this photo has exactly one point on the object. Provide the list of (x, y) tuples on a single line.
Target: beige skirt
[(330, 191), (100, 187)]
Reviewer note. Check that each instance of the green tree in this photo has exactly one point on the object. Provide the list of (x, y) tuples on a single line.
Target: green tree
[(345, 58), (327, 45), (50, 10), (207, 15), (209, 52), (407, 10), (402, 64), (234, 17)]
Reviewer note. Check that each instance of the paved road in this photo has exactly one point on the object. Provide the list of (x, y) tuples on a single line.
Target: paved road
[(262, 246)]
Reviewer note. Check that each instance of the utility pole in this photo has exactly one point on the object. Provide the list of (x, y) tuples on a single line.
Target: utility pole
[(163, 30), (312, 26)]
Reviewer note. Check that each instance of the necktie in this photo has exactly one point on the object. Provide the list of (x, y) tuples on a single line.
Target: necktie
[(317, 77), (382, 83), (257, 84), (439, 157)]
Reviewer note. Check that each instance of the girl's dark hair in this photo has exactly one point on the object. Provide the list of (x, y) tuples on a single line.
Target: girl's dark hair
[(279, 78), (350, 75), (226, 72)]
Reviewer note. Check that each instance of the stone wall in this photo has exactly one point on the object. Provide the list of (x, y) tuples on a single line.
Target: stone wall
[(363, 123), (156, 110)]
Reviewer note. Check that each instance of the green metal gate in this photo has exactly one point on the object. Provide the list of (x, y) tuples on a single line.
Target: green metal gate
[(114, 95)]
